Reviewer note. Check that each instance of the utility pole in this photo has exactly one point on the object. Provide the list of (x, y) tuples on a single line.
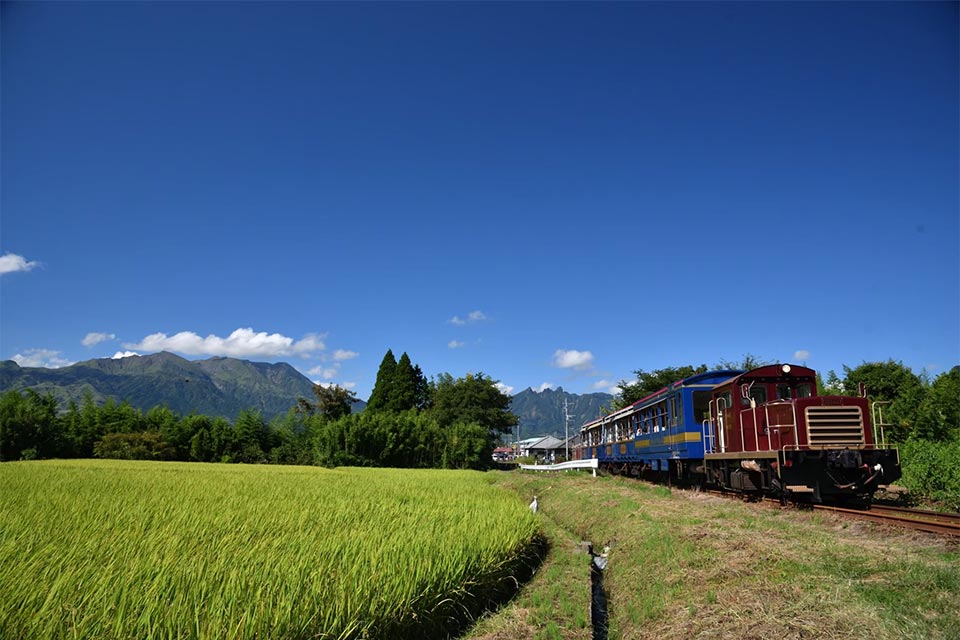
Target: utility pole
[(566, 428), (516, 453)]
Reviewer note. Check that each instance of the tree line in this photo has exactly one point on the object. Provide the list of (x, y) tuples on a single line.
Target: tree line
[(915, 407), (408, 422)]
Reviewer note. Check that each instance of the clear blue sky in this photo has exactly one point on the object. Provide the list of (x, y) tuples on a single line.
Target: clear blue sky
[(547, 193)]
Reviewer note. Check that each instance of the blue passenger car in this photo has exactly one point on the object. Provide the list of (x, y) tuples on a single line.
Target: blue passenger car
[(656, 433)]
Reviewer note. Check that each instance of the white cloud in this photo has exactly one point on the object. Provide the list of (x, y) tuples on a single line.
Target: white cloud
[(123, 354), (47, 358), (606, 386), (504, 388), (239, 344), (801, 356), (572, 359), (96, 338), (455, 344), (342, 385), (543, 387), (343, 354), (11, 262), (325, 372), (473, 316)]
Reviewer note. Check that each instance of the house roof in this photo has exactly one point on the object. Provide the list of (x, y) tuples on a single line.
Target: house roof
[(546, 442)]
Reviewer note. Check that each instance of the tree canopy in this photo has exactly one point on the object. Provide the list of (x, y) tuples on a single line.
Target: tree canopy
[(473, 398)]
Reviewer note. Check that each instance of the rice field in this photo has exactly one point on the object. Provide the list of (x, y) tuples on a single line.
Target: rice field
[(111, 549)]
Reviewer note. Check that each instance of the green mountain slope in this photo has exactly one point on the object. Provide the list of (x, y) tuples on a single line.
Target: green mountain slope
[(216, 387)]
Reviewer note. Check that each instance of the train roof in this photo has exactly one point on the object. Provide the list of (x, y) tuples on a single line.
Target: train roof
[(777, 371), (707, 378)]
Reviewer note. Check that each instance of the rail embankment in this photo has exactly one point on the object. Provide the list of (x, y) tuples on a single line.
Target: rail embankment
[(689, 565)]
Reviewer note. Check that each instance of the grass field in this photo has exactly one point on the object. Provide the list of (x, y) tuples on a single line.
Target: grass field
[(108, 549), (689, 565)]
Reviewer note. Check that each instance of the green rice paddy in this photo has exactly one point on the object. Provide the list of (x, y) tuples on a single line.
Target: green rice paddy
[(109, 549)]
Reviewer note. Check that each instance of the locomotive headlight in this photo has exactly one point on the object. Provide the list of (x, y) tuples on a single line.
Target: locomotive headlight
[(785, 368)]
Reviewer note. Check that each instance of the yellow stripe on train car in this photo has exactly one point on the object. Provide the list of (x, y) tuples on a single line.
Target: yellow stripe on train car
[(686, 436)]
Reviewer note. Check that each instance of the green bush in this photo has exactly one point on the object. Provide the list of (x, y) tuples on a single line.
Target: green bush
[(931, 471)]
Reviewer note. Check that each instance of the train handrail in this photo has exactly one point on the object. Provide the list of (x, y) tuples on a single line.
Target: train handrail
[(709, 438), (756, 427), (721, 423), (876, 417), (792, 426)]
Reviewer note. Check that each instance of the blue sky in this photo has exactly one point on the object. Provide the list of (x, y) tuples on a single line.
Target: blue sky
[(552, 194)]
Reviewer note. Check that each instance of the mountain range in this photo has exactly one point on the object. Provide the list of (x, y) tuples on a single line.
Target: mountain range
[(216, 387), (226, 386), (542, 412)]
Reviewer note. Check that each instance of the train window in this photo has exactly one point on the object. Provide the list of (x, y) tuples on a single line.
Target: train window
[(759, 393), (701, 405), (804, 390), (726, 399), (783, 392), (678, 410)]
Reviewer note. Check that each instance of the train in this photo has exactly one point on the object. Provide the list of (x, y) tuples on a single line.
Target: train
[(763, 432)]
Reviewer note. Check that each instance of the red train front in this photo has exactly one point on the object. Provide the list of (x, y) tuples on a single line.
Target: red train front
[(769, 432)]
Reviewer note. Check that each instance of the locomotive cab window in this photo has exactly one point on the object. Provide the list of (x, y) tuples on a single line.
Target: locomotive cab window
[(804, 390), (725, 400)]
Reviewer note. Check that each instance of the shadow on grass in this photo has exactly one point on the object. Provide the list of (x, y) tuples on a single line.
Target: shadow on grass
[(455, 614)]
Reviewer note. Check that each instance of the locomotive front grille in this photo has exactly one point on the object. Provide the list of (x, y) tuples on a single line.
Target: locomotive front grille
[(834, 426)]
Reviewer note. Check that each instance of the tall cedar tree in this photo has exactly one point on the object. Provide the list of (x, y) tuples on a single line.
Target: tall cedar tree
[(406, 391), (380, 396)]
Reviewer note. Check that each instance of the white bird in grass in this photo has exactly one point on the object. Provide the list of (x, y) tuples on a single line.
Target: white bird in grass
[(533, 505)]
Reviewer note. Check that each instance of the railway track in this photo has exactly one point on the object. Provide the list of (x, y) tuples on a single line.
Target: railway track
[(916, 519)]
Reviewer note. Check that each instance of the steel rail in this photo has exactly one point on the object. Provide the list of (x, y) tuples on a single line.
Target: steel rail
[(916, 519), (942, 527)]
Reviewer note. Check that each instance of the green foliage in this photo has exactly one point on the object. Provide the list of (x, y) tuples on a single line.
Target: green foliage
[(931, 471), (749, 363), (380, 395), (404, 440), (333, 402), (28, 426), (145, 445), (471, 399), (400, 386), (938, 417), (407, 387), (467, 446), (889, 381), (252, 438)]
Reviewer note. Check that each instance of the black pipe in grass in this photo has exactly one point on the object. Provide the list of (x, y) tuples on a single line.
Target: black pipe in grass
[(598, 597)]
